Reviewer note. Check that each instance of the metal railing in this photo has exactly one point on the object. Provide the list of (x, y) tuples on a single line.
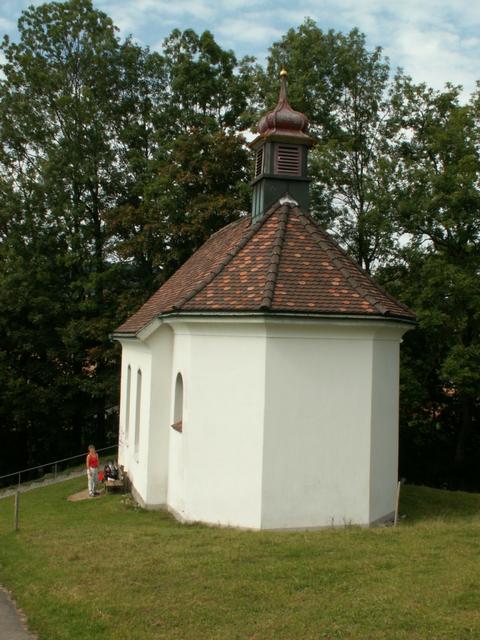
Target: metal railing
[(49, 465)]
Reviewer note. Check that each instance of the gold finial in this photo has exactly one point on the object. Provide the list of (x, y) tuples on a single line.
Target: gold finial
[(282, 98)]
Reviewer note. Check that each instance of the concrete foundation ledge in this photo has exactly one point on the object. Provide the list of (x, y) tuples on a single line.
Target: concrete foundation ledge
[(386, 519), (141, 502), (178, 516), (206, 523)]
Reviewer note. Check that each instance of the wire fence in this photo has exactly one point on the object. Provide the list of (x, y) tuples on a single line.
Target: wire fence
[(51, 470)]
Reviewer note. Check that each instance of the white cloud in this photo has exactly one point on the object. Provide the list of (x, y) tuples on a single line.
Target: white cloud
[(247, 29), (138, 16), (432, 46), (436, 57), (433, 40), (6, 25)]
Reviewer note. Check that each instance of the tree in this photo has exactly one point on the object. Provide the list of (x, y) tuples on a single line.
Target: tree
[(438, 204), (58, 117), (195, 171), (344, 89), (112, 171)]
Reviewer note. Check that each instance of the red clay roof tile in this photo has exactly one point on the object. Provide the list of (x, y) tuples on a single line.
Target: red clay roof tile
[(283, 263)]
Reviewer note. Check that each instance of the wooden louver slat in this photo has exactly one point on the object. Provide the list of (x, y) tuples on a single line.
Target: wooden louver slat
[(287, 160), (259, 162)]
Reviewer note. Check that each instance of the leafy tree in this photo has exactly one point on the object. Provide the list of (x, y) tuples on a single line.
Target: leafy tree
[(344, 89), (117, 162), (438, 204), (59, 116), (195, 171), (112, 171), (395, 178)]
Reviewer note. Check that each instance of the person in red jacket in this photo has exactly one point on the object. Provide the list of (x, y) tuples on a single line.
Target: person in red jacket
[(92, 469)]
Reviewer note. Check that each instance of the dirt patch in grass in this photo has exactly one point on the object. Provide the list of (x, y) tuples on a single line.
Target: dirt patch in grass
[(84, 495)]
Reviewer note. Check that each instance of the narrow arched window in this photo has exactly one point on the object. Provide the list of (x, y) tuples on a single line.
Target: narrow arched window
[(127, 402), (138, 405), (178, 404)]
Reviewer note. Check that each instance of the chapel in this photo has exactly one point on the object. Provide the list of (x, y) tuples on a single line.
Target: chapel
[(260, 383)]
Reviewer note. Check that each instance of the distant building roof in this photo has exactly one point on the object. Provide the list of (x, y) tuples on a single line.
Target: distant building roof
[(285, 263)]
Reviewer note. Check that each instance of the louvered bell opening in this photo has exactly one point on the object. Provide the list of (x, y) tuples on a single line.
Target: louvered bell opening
[(288, 160), (259, 162)]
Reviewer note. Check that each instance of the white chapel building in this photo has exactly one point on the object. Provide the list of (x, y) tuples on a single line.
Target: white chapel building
[(259, 384)]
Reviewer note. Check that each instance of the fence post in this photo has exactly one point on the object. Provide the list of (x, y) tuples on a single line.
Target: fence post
[(55, 471), (397, 503), (16, 510)]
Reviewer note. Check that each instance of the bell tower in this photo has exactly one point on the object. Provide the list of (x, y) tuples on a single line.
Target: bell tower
[(281, 153)]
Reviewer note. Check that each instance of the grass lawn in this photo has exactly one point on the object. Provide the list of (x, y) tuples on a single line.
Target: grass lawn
[(102, 569)]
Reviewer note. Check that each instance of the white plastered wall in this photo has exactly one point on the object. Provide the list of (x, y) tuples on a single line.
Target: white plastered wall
[(160, 344), (177, 472), (137, 355), (384, 434), (331, 447), (286, 424), (147, 468), (220, 449)]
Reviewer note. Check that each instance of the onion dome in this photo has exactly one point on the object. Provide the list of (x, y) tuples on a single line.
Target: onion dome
[(283, 120)]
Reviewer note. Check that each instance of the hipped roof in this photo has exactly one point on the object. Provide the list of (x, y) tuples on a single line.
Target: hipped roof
[(285, 263)]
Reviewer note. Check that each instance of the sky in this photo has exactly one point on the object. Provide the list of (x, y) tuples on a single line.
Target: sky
[(434, 41)]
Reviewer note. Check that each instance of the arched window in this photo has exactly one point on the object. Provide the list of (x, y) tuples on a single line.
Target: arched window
[(138, 404), (127, 402), (178, 405)]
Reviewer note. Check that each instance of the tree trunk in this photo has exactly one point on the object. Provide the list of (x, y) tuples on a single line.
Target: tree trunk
[(466, 415)]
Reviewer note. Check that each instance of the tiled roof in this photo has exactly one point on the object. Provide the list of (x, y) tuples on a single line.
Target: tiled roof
[(284, 263)]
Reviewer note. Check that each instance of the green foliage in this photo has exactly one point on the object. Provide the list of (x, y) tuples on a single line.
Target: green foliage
[(461, 368), (395, 179), (344, 89), (206, 84), (189, 182), (58, 163), (117, 162), (112, 171), (437, 205)]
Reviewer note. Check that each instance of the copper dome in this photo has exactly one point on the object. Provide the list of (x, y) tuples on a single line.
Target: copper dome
[(284, 120)]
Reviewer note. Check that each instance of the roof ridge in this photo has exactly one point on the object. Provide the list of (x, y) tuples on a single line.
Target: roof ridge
[(272, 271), (361, 269), (255, 267), (327, 244), (228, 258)]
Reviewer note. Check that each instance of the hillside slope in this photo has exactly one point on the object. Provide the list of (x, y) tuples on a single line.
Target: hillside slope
[(103, 567)]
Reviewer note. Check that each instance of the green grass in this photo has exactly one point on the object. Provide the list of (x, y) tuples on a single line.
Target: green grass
[(102, 569)]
